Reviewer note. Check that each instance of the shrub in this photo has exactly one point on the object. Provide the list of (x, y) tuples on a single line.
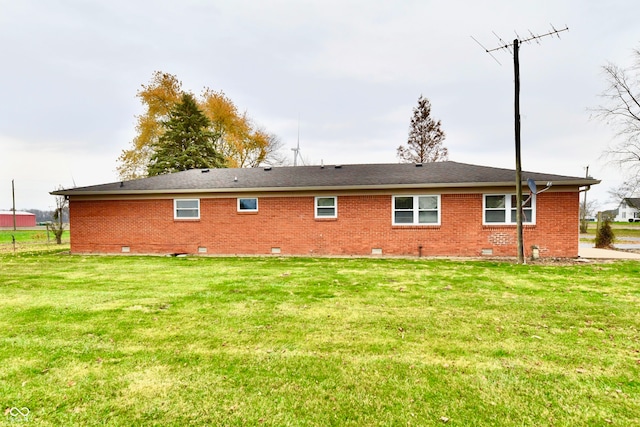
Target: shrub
[(604, 235), (39, 236)]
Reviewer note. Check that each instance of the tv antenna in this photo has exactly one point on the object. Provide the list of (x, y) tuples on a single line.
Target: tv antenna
[(296, 151), (514, 48)]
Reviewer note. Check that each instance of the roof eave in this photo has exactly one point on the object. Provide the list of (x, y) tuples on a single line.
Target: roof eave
[(72, 192)]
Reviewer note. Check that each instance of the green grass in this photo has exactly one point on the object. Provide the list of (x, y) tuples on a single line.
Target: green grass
[(317, 342), (29, 240), (621, 229)]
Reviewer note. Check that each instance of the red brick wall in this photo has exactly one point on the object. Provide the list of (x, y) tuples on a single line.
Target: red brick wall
[(288, 223)]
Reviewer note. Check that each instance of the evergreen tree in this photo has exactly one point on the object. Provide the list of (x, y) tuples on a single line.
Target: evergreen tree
[(424, 144), (187, 141), (241, 141), (604, 235)]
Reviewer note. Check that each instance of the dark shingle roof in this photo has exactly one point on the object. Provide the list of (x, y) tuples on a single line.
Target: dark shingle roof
[(335, 177), (633, 202)]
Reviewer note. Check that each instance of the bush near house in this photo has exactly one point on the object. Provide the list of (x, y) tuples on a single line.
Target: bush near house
[(604, 235), (620, 229)]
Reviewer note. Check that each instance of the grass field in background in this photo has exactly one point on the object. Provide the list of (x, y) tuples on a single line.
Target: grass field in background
[(30, 240), (621, 229), (118, 340)]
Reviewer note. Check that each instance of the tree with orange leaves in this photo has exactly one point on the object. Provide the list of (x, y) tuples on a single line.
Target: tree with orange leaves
[(241, 142)]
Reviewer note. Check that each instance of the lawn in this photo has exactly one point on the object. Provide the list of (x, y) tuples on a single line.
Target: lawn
[(121, 340), (29, 240), (621, 229)]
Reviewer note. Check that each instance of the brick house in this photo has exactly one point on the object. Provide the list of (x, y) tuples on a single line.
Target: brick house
[(432, 209)]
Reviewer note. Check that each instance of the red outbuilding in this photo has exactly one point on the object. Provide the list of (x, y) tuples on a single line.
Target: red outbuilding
[(23, 219)]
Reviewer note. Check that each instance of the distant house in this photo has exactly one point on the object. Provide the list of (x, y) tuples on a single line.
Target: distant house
[(629, 210), (610, 214), (432, 209), (23, 219)]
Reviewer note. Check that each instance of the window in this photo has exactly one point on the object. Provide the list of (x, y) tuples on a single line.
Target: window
[(248, 204), (186, 209), (501, 209), (416, 210), (326, 207)]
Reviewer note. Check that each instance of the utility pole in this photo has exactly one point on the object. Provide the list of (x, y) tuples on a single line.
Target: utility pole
[(516, 71), (13, 197), (583, 216), (516, 98)]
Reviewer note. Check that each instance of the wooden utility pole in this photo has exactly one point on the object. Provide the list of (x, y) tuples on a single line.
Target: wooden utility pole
[(516, 71), (583, 214), (13, 197)]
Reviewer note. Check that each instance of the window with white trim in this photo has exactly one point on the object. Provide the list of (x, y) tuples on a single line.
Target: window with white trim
[(501, 209), (248, 204), (186, 208), (416, 210), (326, 207)]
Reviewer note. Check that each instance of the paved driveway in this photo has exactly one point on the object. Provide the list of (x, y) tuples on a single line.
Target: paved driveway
[(596, 253)]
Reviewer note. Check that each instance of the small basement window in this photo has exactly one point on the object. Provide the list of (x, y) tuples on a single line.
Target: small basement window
[(186, 209), (249, 204), (326, 207)]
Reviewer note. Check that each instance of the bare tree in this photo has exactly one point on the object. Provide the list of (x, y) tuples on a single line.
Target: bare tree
[(275, 155), (624, 190), (425, 137), (56, 226), (621, 110), (587, 211)]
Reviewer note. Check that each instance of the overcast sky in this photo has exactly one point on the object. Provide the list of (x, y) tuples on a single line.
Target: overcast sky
[(348, 73)]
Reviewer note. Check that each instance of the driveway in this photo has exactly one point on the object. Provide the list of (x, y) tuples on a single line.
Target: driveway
[(596, 253)]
